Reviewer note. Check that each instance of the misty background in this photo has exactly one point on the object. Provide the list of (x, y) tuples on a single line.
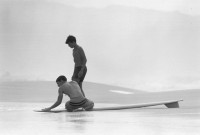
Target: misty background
[(143, 47)]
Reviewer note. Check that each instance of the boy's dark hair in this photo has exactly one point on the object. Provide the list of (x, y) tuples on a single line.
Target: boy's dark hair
[(61, 78), (70, 39)]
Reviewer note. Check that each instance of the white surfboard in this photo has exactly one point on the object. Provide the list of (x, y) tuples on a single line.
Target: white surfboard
[(169, 104)]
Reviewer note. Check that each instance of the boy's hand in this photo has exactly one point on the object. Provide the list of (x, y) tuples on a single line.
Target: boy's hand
[(46, 109), (80, 74)]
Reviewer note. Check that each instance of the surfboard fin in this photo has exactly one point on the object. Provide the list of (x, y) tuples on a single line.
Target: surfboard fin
[(173, 104)]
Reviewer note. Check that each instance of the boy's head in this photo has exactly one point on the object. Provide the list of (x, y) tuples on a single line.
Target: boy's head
[(71, 40), (60, 80)]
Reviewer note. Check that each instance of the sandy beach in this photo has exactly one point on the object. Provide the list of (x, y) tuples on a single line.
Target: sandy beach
[(18, 118)]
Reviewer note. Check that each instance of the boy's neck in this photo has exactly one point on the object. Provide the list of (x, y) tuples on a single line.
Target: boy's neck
[(75, 45)]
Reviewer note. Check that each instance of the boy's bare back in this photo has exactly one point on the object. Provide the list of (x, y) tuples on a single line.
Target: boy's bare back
[(73, 90)]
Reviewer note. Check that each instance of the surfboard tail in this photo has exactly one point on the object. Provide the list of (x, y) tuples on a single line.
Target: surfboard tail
[(173, 104)]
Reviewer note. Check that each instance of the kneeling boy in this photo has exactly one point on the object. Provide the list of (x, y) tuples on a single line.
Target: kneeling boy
[(72, 89)]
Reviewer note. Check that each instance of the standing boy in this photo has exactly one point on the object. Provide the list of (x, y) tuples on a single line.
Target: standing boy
[(80, 60)]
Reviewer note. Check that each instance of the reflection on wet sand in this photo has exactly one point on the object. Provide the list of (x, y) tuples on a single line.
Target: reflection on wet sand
[(79, 120)]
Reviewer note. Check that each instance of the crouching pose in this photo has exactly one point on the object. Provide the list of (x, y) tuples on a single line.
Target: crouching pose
[(72, 89)]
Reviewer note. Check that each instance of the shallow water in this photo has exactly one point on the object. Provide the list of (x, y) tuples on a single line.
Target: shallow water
[(20, 119)]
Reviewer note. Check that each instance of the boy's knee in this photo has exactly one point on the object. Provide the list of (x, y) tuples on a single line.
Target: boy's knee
[(67, 107), (90, 106)]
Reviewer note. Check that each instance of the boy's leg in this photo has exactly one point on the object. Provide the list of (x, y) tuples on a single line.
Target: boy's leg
[(88, 105), (69, 107), (81, 80), (75, 74), (80, 84)]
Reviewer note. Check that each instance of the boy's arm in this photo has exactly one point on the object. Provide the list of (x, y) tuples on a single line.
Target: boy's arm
[(84, 60), (57, 103), (83, 57)]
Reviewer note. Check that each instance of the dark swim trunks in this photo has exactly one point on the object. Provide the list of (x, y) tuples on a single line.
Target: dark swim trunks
[(75, 74), (86, 104)]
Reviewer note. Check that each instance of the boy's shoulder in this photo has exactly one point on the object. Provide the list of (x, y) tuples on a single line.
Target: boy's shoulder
[(64, 86), (79, 47), (73, 83)]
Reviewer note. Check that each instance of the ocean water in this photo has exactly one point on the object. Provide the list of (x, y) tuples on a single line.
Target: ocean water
[(17, 116)]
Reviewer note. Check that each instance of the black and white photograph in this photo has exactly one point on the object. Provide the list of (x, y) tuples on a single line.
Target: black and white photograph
[(99, 67)]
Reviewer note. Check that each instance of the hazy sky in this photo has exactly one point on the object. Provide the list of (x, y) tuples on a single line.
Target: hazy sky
[(184, 6), (152, 44)]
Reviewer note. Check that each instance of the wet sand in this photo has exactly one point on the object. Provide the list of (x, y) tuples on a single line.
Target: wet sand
[(18, 118), (21, 120)]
